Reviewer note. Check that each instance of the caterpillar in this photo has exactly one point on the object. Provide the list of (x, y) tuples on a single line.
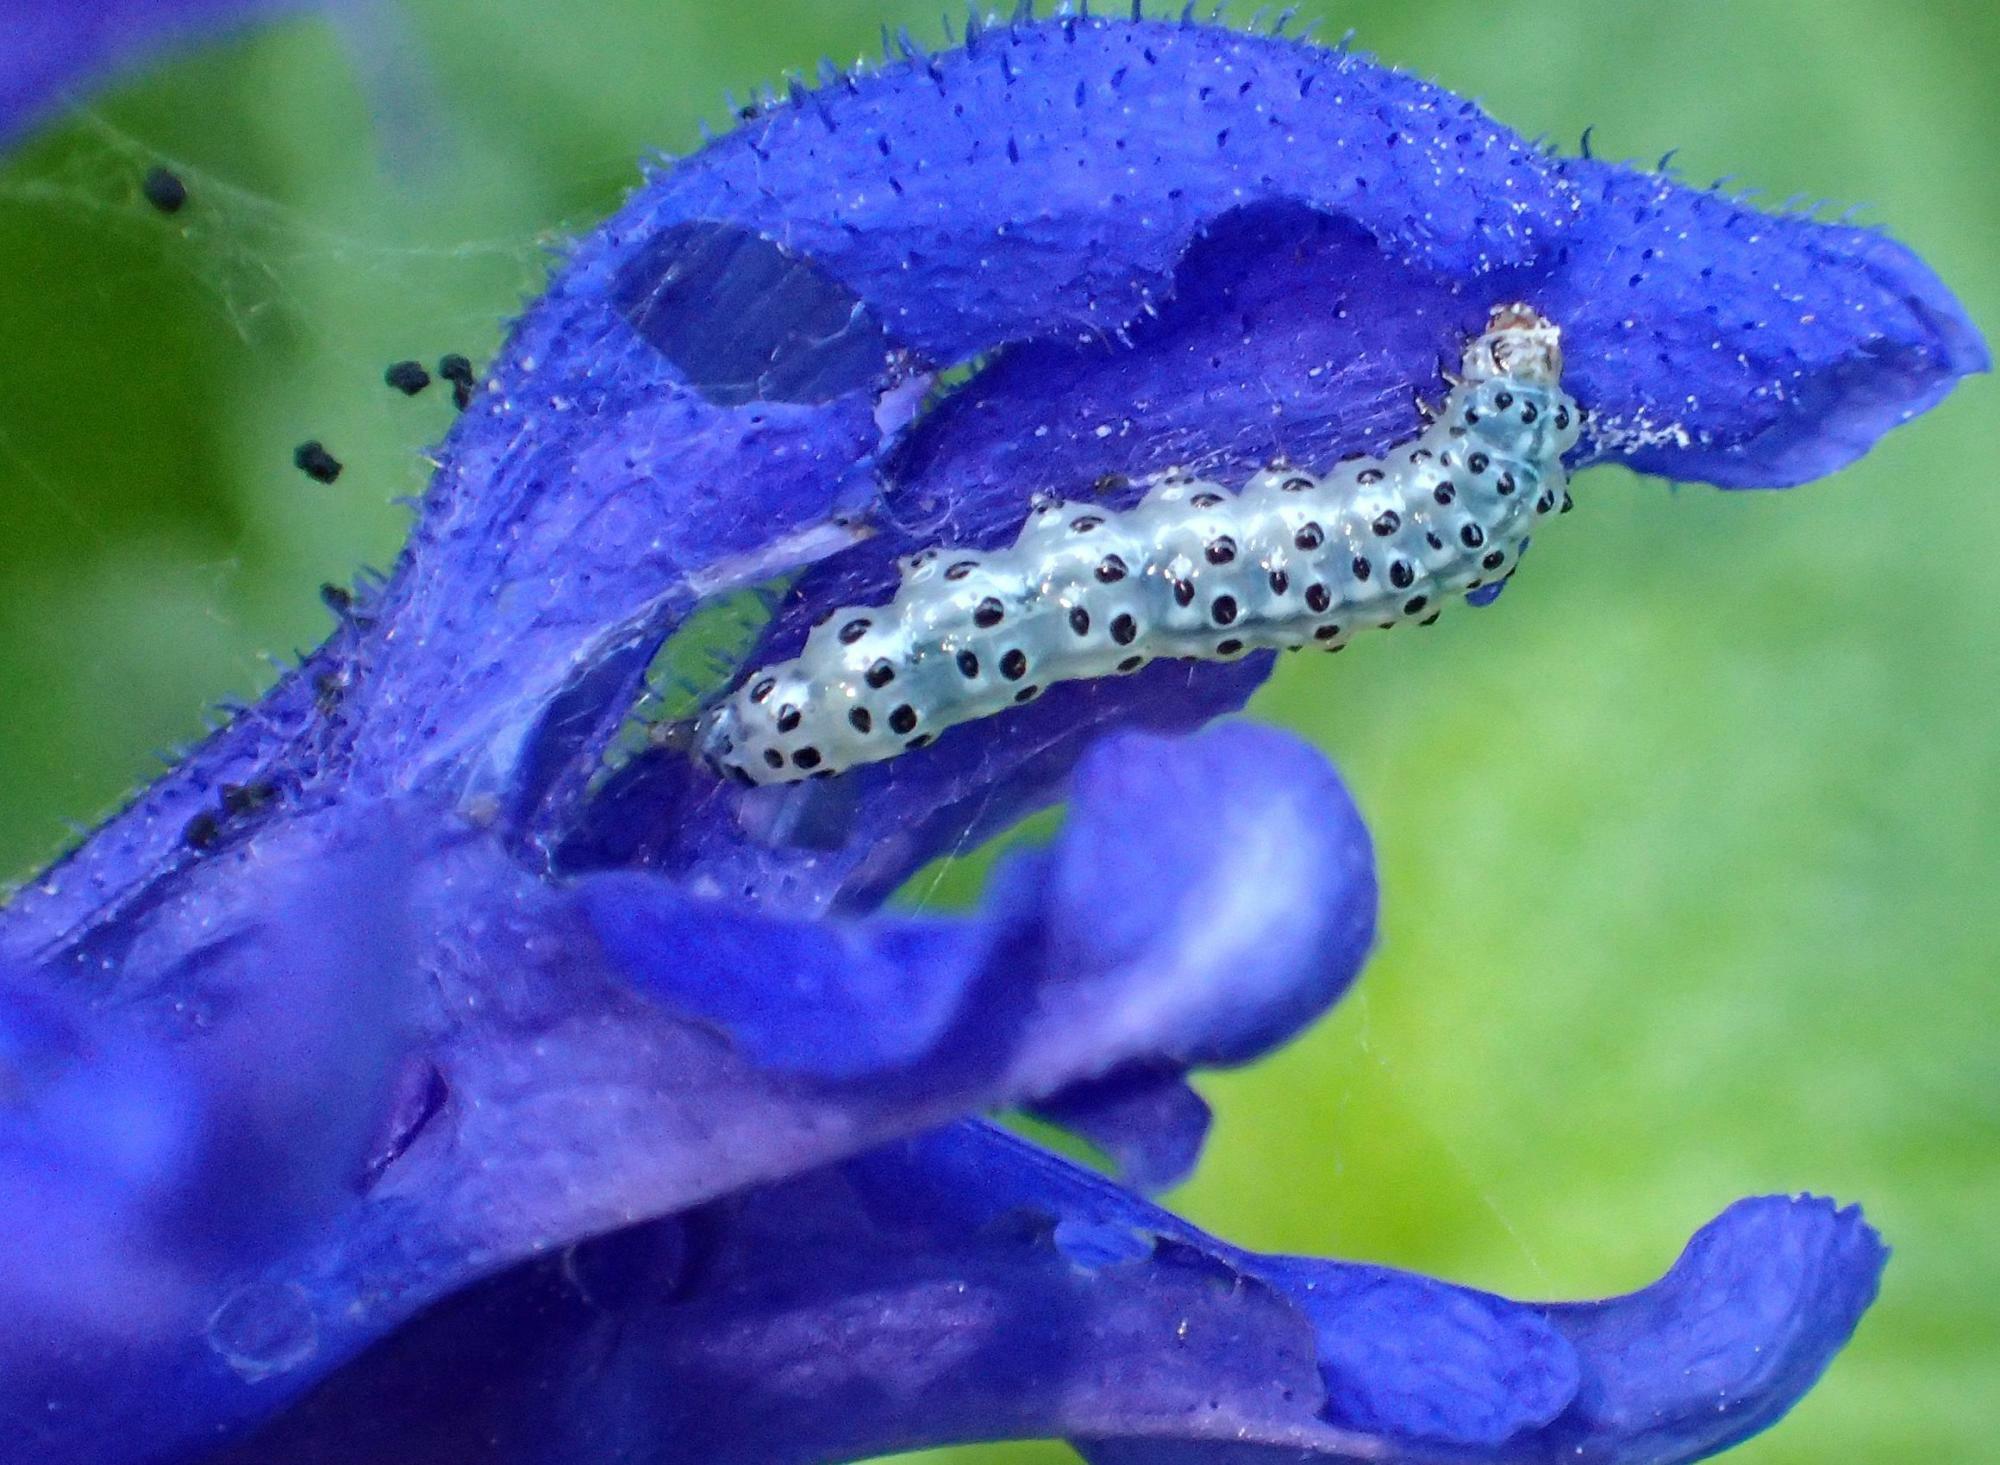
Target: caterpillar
[(1191, 570)]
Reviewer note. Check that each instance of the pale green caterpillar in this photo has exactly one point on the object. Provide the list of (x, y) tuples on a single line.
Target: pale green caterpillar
[(1192, 570)]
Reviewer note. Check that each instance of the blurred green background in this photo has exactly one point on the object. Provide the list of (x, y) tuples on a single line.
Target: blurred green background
[(1689, 845)]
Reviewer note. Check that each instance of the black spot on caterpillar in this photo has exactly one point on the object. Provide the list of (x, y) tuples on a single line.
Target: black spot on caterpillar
[(1288, 561)]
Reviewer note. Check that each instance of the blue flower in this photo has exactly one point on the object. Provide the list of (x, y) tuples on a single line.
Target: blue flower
[(389, 1081)]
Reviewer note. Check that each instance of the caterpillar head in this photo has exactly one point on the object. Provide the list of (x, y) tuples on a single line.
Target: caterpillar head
[(1518, 342), (1510, 394)]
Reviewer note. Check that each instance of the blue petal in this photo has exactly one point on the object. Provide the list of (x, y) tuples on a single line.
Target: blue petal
[(1153, 270), (838, 1001), (1399, 1356), (51, 53), (1722, 1346), (1149, 1124), (1149, 267), (1718, 343), (565, 1059), (1214, 893), (1219, 275), (92, 1139), (186, 1102), (1271, 863), (966, 1286), (1228, 866)]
